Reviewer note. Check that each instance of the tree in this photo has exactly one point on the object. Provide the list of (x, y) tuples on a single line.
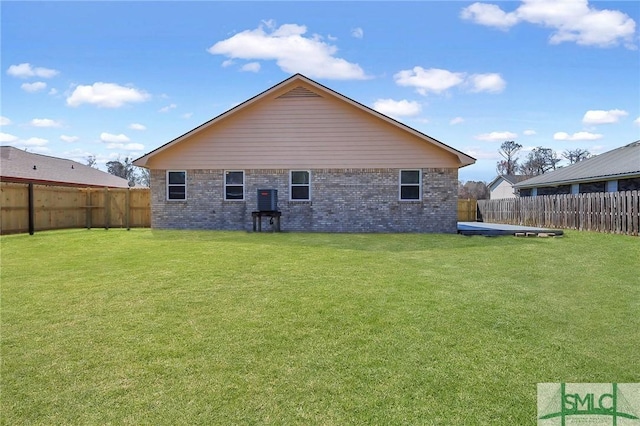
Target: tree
[(91, 161), (144, 177), (508, 151), (575, 155), (473, 189), (123, 168), (539, 161)]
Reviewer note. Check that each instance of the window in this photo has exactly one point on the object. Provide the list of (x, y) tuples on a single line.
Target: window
[(176, 185), (631, 184), (410, 184), (300, 185), (234, 185), (585, 188), (554, 190)]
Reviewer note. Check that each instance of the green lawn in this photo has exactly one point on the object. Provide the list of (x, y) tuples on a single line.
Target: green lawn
[(179, 327)]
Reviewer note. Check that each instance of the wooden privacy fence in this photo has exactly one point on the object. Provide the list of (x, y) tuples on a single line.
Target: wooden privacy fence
[(614, 212), (30, 207), (467, 210)]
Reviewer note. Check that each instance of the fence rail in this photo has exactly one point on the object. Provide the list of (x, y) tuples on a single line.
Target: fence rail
[(29, 207), (612, 212), (59, 207)]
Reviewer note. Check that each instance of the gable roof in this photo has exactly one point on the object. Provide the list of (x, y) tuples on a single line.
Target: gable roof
[(618, 163), (17, 165), (463, 159), (511, 179)]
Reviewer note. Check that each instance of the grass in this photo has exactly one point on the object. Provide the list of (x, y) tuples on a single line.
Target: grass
[(180, 327)]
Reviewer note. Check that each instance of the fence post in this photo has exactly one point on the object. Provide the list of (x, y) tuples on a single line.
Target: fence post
[(127, 208), (107, 208), (31, 210), (87, 208)]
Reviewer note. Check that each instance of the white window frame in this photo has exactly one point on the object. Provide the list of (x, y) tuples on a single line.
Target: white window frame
[(234, 184), (419, 185), (292, 185), (168, 185)]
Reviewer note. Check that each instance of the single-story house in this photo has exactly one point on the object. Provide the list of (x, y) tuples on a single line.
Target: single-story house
[(615, 170), (502, 186), (20, 166), (337, 166)]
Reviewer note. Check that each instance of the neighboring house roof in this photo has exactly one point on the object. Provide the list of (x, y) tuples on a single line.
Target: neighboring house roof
[(17, 165), (293, 86), (511, 179), (623, 162)]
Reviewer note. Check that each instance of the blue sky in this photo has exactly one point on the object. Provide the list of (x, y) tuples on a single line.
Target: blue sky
[(119, 79)]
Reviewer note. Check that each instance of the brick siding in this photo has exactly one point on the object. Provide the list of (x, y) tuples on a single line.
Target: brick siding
[(342, 200)]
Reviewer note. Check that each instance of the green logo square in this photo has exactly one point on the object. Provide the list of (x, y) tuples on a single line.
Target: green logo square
[(566, 404)]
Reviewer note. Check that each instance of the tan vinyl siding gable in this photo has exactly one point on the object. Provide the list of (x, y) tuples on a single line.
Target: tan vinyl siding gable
[(298, 127)]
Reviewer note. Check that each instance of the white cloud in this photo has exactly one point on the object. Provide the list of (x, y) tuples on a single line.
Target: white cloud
[(292, 52), (134, 147), (579, 136), (489, 15), (428, 80), (436, 80), (570, 20), (137, 126), (482, 154), (4, 121), (38, 149), (126, 146), (492, 83), (33, 87), (456, 120), (251, 67), (44, 122), (34, 142), (497, 136), (357, 32), (603, 117), (80, 155), (397, 108), (26, 70), (34, 145), (227, 63), (529, 132), (168, 108), (53, 91), (106, 95), (6, 137), (111, 138), (69, 139), (187, 115), (637, 121)]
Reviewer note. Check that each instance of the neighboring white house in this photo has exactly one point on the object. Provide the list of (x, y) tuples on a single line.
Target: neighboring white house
[(502, 186)]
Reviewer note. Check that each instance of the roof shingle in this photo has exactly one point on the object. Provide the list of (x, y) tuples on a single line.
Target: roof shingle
[(18, 165), (620, 162)]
